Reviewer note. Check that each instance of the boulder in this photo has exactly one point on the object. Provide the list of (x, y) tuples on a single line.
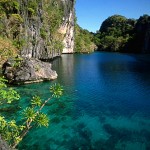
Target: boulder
[(21, 70)]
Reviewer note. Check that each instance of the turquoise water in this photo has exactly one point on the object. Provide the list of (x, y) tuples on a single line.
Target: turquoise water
[(105, 106)]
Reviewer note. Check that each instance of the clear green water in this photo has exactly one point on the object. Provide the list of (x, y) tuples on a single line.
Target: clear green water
[(106, 104)]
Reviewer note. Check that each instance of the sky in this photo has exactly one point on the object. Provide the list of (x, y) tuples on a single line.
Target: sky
[(91, 13)]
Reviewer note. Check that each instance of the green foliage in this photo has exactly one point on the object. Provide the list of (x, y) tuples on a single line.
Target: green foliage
[(36, 101), (18, 61), (111, 24), (17, 18), (114, 33), (31, 11), (118, 33), (7, 95), (18, 43), (29, 114), (2, 83), (83, 40), (58, 45), (42, 120), (9, 6), (56, 90), (14, 132), (53, 15), (32, 4), (7, 49), (9, 19), (10, 131), (43, 33)]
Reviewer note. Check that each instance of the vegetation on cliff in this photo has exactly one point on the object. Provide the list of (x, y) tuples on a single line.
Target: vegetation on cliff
[(7, 49), (119, 34), (33, 26), (83, 40)]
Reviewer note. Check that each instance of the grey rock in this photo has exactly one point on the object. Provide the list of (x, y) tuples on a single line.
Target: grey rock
[(27, 70), (3, 145)]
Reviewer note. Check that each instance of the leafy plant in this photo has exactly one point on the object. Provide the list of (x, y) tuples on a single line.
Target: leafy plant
[(32, 116), (31, 12), (7, 49), (83, 40), (114, 33), (56, 90), (19, 43), (17, 62), (7, 95), (43, 33)]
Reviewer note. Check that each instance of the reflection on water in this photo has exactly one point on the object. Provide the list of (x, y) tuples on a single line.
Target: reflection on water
[(105, 105)]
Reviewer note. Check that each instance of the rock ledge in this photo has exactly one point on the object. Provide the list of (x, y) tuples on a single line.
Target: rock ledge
[(21, 70)]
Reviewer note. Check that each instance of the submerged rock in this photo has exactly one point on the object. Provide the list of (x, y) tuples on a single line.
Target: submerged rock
[(21, 70)]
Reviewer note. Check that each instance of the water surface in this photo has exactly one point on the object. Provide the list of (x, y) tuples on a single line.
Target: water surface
[(105, 105)]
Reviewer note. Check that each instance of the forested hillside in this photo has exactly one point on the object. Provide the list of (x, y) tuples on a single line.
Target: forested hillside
[(83, 40), (119, 34)]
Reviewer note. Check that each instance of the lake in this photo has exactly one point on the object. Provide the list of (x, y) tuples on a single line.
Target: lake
[(105, 106)]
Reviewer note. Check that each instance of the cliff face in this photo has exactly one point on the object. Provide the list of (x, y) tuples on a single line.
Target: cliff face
[(41, 29), (51, 45), (68, 30), (67, 27)]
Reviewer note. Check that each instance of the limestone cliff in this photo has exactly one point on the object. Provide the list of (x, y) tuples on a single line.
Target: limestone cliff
[(41, 29), (46, 47), (67, 29)]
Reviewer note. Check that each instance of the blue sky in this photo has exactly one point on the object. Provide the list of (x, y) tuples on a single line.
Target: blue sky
[(91, 13)]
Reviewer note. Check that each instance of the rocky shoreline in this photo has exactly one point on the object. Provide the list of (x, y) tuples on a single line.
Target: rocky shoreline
[(22, 70)]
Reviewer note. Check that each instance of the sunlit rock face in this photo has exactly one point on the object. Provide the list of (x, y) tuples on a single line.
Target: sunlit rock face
[(68, 30)]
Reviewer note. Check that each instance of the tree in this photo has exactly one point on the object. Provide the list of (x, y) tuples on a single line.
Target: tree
[(10, 130), (114, 33), (83, 40)]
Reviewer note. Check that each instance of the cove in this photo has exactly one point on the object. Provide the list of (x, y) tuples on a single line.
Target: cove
[(105, 104)]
